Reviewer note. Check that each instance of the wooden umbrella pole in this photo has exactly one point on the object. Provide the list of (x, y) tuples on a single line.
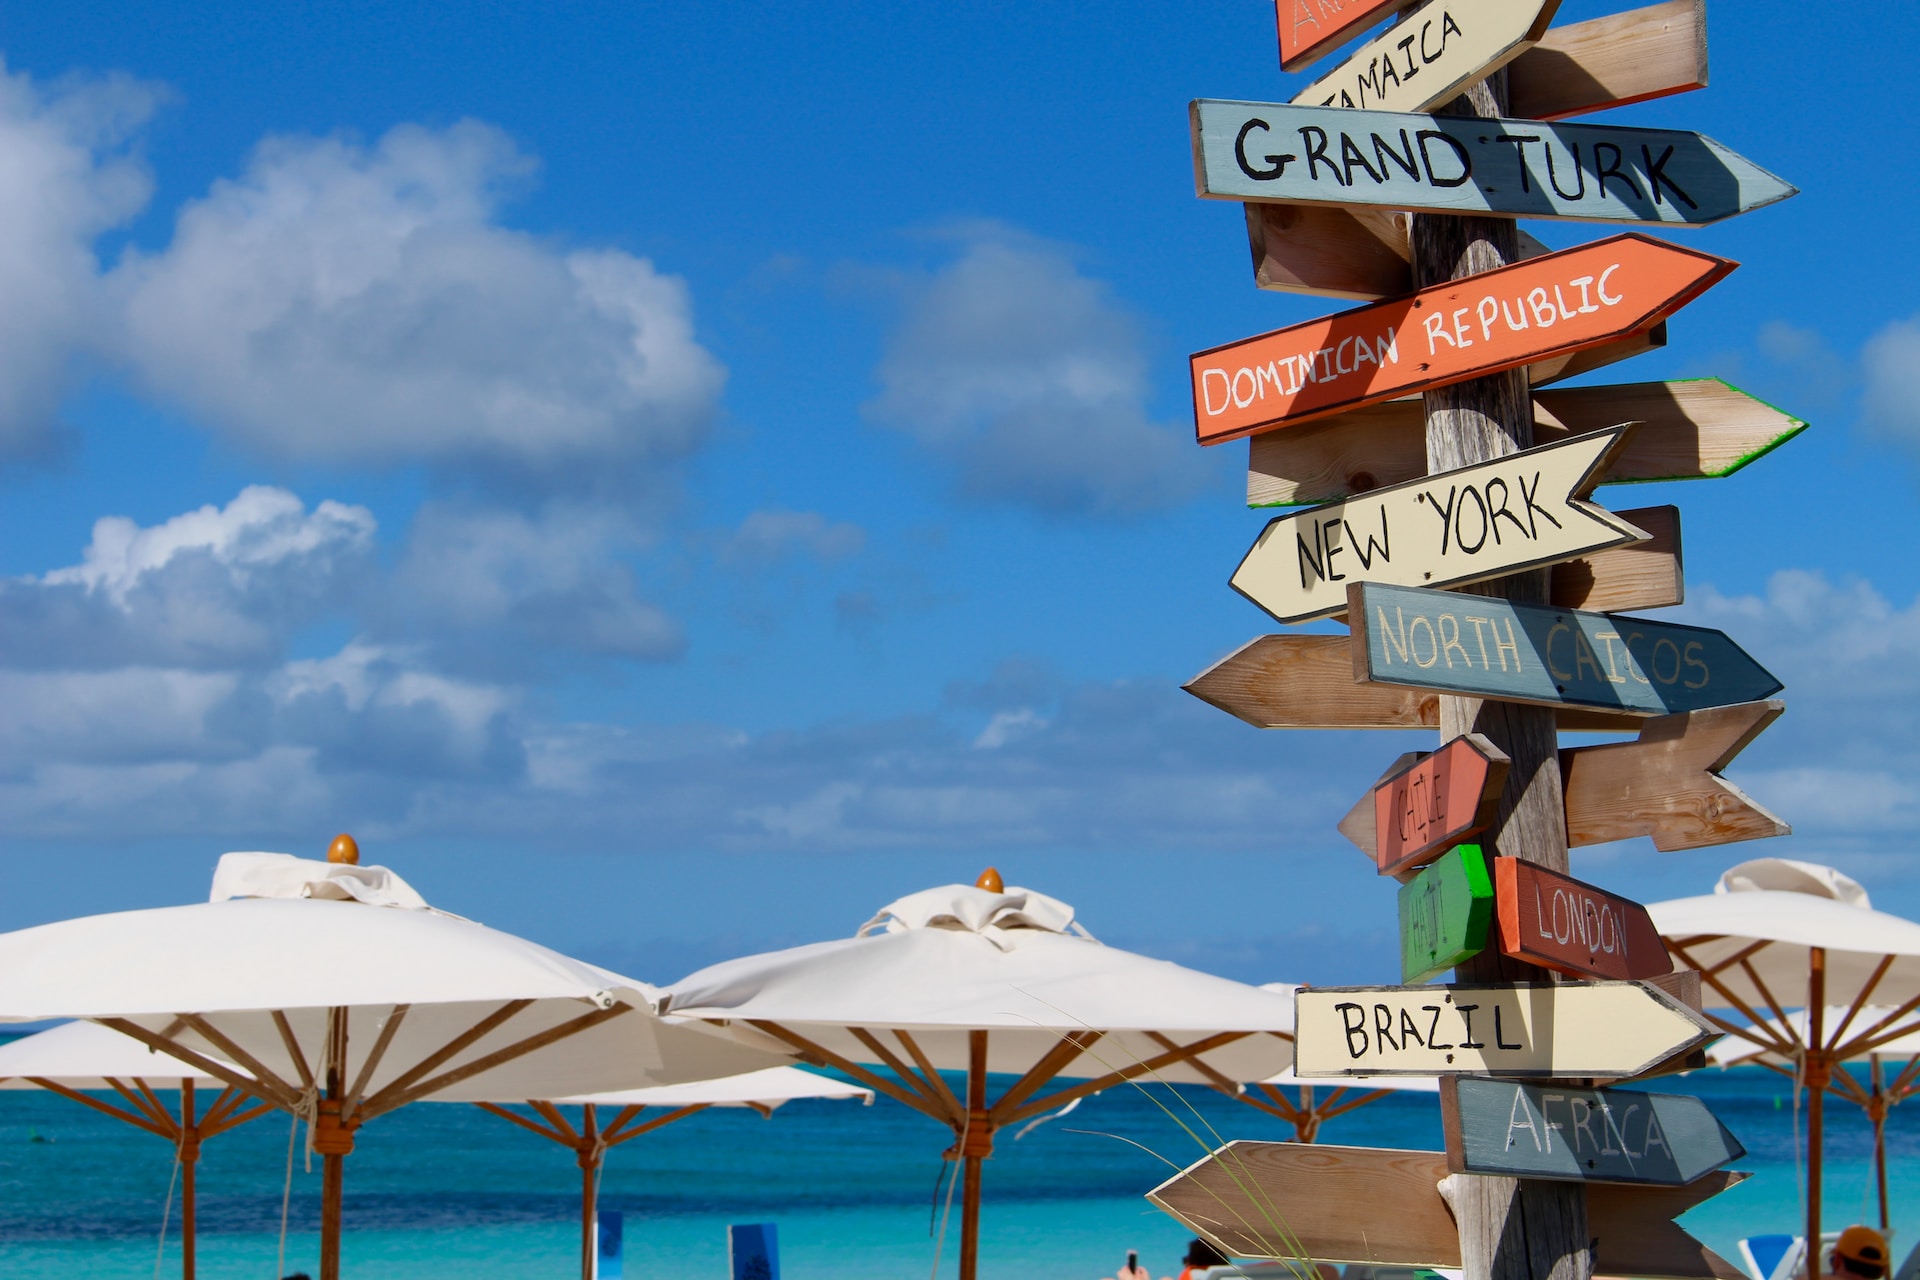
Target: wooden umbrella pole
[(976, 1143), (189, 1158), (589, 1153), (334, 1141), (1509, 1229), (1877, 1110), (1815, 1073)]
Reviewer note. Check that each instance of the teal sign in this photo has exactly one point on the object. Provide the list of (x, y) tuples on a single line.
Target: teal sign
[(1483, 647), (1459, 164), (1583, 1135)]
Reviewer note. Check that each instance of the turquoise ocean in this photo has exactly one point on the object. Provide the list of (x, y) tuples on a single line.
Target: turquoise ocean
[(440, 1191)]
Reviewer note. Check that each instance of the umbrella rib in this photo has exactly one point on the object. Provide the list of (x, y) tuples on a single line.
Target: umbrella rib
[(1860, 999), (372, 1064), (828, 1058), (448, 1079), (658, 1122), (930, 1074), (1873, 1032), (1712, 978), (1283, 1105), (443, 1053), (235, 1121), (292, 1044), (1902, 1082), (1330, 1111), (226, 1045), (1051, 1064), (609, 1135), (270, 1089), (1868, 1041), (908, 1076), (229, 1099), (1786, 1024), (558, 1119), (139, 1121), (146, 1106), (1124, 1074), (153, 1103), (1283, 1112), (497, 1110)]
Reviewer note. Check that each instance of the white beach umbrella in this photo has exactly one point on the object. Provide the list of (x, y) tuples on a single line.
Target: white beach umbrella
[(764, 1091), (80, 1059), (987, 979), (339, 995), (1776, 935)]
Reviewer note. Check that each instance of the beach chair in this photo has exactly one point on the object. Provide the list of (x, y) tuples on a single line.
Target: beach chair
[(1772, 1257), (609, 1254), (1910, 1269), (753, 1251)]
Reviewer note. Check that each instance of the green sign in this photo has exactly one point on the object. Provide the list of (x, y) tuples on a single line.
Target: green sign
[(1445, 913)]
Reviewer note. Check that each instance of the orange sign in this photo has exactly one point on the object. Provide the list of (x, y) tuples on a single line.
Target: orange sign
[(1533, 310), (1310, 28)]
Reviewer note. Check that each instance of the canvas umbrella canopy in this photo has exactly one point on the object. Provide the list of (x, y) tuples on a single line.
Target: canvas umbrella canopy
[(334, 992), (985, 979), (1777, 934), (1876, 1097), (83, 1058), (764, 1091)]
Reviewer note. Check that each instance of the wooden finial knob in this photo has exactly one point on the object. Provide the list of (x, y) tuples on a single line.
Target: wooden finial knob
[(344, 849), (990, 881)]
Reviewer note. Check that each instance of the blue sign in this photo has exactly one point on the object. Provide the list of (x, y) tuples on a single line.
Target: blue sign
[(753, 1251)]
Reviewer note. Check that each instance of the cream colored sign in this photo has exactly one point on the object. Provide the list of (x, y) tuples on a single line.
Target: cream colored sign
[(1480, 522), (1433, 53), (1603, 1030)]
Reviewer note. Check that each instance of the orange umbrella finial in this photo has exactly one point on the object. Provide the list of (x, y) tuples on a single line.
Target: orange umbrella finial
[(990, 881), (344, 849)]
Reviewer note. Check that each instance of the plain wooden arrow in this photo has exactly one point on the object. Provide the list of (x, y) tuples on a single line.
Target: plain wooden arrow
[(1611, 61), (1666, 784), (1551, 306), (1694, 429), (1306, 682), (1291, 1200)]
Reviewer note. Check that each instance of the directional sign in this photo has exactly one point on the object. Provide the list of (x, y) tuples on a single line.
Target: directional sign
[(1479, 522), (1467, 164), (1350, 252), (1306, 682), (1561, 923), (1429, 802), (1285, 1199), (1635, 575), (1604, 1030), (1695, 429), (1310, 28), (1667, 784), (1445, 912), (1561, 303), (1479, 646), (1611, 61), (1433, 53), (1581, 1135)]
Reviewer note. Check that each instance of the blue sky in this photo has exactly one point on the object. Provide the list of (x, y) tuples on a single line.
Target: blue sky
[(673, 478)]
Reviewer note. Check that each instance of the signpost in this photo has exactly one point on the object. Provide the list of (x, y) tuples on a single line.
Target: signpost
[(1479, 522), (1667, 785), (1310, 28), (1486, 647), (1694, 429), (1560, 923), (1336, 251), (1306, 682), (1434, 52), (1431, 801), (1498, 320), (1368, 1205), (1602, 1030), (1581, 1135), (1445, 912), (1463, 164), (1611, 61)]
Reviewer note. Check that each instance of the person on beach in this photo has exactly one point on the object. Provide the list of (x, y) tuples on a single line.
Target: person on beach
[(1200, 1256), (1859, 1254)]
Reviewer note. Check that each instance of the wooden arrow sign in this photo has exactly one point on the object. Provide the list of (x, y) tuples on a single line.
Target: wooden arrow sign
[(1479, 522), (1689, 430), (1289, 1199), (1306, 682), (1312, 28), (1561, 303), (1611, 61), (1458, 164), (1667, 784), (1445, 913), (1428, 802), (1428, 57), (1567, 1134), (1561, 923), (1601, 1030), (1478, 646)]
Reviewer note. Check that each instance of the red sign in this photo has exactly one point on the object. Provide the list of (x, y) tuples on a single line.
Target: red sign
[(1543, 307), (1424, 810), (1559, 922), (1310, 28)]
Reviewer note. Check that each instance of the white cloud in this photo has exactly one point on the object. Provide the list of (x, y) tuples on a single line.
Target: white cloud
[(352, 303), (63, 181), (766, 537), (1891, 401), (1026, 377)]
